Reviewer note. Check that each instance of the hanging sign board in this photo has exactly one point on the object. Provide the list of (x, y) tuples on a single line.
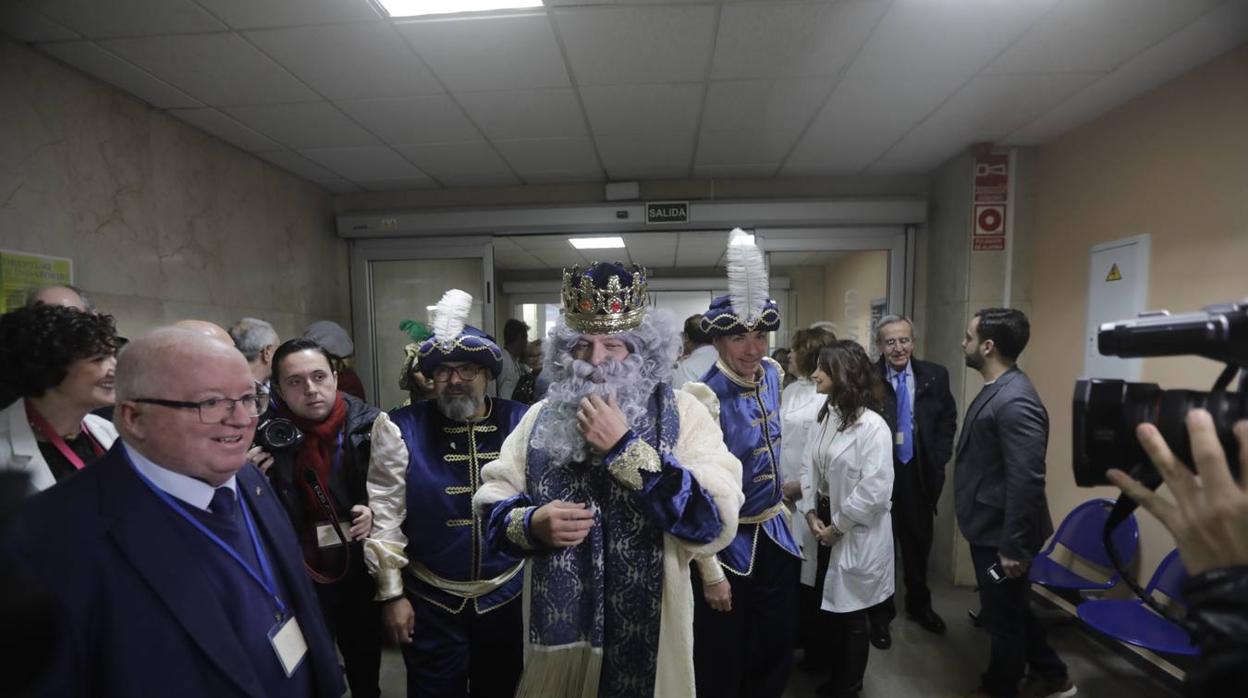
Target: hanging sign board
[(989, 200), (21, 272), (667, 212)]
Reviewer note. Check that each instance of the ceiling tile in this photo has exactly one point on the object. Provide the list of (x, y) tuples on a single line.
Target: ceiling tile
[(412, 120), (640, 45), (654, 251), (763, 105), (791, 40), (988, 108), (921, 37), (220, 69), (655, 156), (463, 159), (1201, 41), (367, 164), (96, 18), (625, 109), (26, 25), (487, 180), (400, 184), (862, 119), (349, 61), (473, 54), (1096, 36), (306, 125), (254, 14), (750, 171), (225, 128), (728, 147), (93, 60), (527, 114), (297, 164), (540, 158), (340, 186)]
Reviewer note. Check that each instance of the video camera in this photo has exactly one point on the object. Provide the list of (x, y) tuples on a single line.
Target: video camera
[(1106, 412)]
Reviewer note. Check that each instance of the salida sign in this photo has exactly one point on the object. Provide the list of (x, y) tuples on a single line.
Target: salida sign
[(658, 212)]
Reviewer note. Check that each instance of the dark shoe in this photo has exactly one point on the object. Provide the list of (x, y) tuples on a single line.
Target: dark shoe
[(1048, 687), (975, 619), (977, 693), (809, 663), (825, 690), (929, 621), (881, 637)]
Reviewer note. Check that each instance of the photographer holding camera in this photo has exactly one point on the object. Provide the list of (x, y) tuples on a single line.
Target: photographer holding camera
[(320, 442), (1209, 521)]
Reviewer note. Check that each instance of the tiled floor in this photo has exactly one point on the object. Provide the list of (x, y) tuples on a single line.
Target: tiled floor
[(922, 665)]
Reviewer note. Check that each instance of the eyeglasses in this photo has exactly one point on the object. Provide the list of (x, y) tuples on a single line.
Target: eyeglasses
[(214, 409), (898, 341), (466, 372)]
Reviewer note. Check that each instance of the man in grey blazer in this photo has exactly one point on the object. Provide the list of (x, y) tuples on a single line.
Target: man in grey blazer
[(1001, 507)]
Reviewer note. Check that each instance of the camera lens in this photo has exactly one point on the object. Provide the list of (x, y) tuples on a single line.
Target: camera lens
[(1106, 413)]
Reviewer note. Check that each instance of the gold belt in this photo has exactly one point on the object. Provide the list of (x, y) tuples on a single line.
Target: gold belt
[(764, 516), (464, 590)]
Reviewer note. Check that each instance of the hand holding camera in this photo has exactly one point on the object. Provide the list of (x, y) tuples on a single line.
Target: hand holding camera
[(1209, 517)]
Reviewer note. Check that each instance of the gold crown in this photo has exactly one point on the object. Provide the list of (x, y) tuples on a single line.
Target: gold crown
[(596, 301)]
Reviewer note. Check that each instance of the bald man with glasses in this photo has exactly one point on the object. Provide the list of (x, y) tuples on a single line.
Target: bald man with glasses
[(171, 559)]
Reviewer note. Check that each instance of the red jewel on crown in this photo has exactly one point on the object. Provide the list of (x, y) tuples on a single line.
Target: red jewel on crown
[(586, 305), (616, 305)]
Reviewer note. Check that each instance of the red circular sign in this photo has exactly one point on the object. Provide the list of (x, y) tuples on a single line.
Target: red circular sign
[(989, 220)]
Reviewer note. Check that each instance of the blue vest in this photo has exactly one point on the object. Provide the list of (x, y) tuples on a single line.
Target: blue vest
[(444, 535), (749, 415)]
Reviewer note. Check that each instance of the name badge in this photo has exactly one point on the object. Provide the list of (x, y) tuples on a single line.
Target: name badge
[(288, 644), (326, 537)]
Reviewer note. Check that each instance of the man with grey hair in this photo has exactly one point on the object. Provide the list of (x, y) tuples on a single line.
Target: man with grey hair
[(171, 559), (257, 340), (608, 488), (922, 415), (58, 294)]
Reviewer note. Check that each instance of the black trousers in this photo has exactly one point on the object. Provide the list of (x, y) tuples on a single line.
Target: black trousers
[(1018, 639), (748, 651), (354, 621), (912, 530), (848, 650), (465, 654)]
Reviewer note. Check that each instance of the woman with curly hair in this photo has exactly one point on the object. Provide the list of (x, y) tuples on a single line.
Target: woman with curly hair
[(847, 482), (60, 362)]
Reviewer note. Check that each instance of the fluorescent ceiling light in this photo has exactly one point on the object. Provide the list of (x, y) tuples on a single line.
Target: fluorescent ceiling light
[(597, 243), (413, 8)]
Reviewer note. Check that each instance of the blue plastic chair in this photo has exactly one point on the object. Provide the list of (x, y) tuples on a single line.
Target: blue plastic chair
[(1081, 533), (1129, 620)]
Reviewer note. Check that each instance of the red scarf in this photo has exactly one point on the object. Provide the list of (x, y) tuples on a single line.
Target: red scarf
[(319, 447)]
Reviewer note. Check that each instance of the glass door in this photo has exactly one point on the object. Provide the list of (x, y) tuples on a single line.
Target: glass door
[(394, 281)]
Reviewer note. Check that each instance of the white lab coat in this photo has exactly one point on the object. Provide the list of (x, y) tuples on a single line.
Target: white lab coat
[(799, 411), (693, 367), (854, 468)]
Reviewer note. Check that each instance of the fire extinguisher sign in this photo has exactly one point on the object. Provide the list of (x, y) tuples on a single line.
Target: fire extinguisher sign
[(991, 191)]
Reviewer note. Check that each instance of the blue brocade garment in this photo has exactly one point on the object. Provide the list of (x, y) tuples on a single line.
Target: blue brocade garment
[(444, 470), (603, 597), (749, 414)]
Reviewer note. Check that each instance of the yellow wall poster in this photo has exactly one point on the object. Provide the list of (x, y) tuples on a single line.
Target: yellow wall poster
[(22, 271)]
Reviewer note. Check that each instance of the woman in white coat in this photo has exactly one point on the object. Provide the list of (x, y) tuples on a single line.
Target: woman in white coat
[(799, 415), (847, 485), (59, 361)]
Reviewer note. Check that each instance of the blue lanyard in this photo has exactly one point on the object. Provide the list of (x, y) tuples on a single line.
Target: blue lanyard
[(268, 582), (333, 468)]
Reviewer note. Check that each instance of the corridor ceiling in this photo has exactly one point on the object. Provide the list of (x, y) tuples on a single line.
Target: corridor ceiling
[(595, 90)]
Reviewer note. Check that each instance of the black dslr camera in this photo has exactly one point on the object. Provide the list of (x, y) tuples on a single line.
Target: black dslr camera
[(1106, 412), (278, 434)]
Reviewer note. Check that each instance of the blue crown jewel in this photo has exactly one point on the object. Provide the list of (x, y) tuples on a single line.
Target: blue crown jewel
[(605, 297)]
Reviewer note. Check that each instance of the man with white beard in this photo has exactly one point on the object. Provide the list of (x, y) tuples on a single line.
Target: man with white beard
[(458, 624), (610, 486)]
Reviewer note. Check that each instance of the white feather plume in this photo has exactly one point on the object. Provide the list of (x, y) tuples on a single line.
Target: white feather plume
[(450, 314), (747, 276)]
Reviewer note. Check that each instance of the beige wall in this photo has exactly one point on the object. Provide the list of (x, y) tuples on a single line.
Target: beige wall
[(850, 284), (807, 298), (1174, 164), (162, 221)]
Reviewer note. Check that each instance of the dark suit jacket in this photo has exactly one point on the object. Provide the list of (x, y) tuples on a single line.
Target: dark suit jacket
[(999, 478), (139, 617), (935, 416)]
